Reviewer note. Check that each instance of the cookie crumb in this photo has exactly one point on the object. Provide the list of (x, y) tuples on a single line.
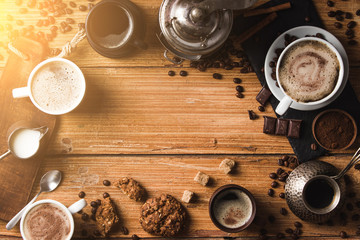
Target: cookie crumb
[(131, 188), (202, 178), (227, 165), (187, 196), (106, 216)]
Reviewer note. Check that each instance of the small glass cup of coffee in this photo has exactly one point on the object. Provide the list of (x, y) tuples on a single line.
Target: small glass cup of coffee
[(310, 71), (49, 219), (55, 86), (232, 208)]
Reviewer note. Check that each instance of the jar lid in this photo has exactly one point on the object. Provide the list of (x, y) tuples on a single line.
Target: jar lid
[(190, 29)]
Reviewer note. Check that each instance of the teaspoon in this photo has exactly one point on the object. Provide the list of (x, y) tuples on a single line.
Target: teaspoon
[(355, 159), (48, 183)]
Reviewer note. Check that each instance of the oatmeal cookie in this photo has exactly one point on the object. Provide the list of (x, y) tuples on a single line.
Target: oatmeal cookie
[(106, 216), (131, 188), (163, 216)]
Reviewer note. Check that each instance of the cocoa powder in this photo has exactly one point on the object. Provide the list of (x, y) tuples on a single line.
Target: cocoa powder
[(334, 130)]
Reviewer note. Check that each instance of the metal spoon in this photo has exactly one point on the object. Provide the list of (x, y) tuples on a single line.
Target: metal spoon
[(354, 160), (48, 183)]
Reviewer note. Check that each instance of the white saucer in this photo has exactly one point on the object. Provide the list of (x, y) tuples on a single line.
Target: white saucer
[(301, 32)]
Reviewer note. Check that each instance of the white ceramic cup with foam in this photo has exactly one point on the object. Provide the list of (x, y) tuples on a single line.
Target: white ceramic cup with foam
[(286, 101), (28, 92), (74, 208)]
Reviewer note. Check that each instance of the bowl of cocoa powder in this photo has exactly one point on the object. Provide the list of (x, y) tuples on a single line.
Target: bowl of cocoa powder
[(334, 129)]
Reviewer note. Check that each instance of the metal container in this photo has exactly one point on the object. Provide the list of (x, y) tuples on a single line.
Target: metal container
[(192, 29)]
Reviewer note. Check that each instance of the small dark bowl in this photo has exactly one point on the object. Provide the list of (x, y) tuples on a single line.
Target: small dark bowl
[(211, 212), (339, 111)]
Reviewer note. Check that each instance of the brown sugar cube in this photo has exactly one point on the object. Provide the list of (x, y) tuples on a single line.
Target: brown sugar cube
[(227, 165), (187, 196), (106, 217), (201, 178)]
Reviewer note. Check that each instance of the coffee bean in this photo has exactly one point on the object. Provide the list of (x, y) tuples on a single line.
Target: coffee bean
[(183, 73), (349, 207), (286, 163), (273, 175), (348, 15), (93, 210), (283, 211), (343, 234), (217, 76), (271, 192), (313, 146), (271, 218), (83, 232), (68, 28), (70, 21), (339, 12), (239, 88), (272, 64), (237, 80), (338, 25), (357, 12), (239, 95), (124, 230), (351, 24), (135, 237), (261, 108), (289, 231), (307, 19), (297, 224), (72, 4), (331, 14), (252, 114), (274, 184), (81, 194), (339, 18), (244, 70), (68, 11), (82, 8), (106, 182), (53, 28), (106, 195), (297, 231), (94, 204), (171, 73), (98, 202), (330, 3), (85, 216)]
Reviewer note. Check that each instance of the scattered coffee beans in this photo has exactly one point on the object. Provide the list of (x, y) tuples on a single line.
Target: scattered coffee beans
[(274, 184), (261, 108), (93, 210), (85, 216), (313, 146), (237, 80), (106, 195), (252, 114), (357, 12), (351, 24), (343, 234), (106, 182), (331, 14), (98, 202), (330, 3), (217, 76), (135, 237), (271, 192), (183, 73), (239, 95), (82, 8), (239, 88), (81, 194), (273, 175), (124, 230), (297, 224), (338, 25), (283, 211), (171, 73), (93, 204)]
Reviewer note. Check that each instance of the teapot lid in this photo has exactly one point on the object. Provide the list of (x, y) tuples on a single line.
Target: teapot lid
[(191, 29)]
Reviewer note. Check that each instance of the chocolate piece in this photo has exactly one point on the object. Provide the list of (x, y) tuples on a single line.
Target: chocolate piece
[(281, 126), (269, 125), (263, 96), (294, 128)]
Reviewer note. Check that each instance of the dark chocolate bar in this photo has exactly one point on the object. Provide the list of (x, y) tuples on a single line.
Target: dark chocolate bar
[(263, 96), (294, 128), (269, 125), (282, 126)]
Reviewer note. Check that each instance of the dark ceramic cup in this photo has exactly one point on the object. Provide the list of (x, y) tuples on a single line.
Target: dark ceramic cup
[(230, 193), (115, 28)]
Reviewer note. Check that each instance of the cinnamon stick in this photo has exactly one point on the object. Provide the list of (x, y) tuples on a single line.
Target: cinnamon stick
[(261, 11), (254, 29)]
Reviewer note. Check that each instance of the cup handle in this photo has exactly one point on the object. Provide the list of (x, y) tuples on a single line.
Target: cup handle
[(21, 92), (283, 105), (76, 207)]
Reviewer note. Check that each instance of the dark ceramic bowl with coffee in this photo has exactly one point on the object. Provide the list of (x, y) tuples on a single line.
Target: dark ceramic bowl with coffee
[(115, 28), (232, 208), (334, 129)]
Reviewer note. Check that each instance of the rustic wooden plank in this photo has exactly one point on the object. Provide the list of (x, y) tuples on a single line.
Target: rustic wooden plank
[(173, 175), (143, 111), (86, 56)]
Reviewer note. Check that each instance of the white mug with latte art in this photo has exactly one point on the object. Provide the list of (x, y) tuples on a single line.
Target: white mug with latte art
[(55, 86), (310, 71)]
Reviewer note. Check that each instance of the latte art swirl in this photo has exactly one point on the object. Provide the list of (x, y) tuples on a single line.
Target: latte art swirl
[(309, 71)]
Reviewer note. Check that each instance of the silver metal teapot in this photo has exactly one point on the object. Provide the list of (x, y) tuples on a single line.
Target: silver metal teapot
[(192, 29)]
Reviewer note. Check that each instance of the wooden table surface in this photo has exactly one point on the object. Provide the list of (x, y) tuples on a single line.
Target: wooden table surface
[(137, 121)]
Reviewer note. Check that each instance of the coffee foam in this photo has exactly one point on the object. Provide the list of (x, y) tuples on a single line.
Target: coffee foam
[(57, 87), (47, 221), (309, 71), (234, 211)]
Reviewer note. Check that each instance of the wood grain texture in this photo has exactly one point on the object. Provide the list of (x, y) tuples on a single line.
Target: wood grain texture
[(173, 175)]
